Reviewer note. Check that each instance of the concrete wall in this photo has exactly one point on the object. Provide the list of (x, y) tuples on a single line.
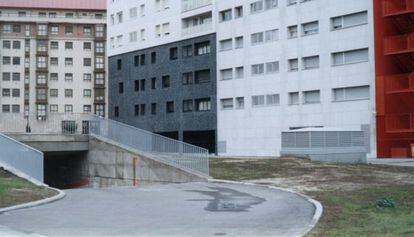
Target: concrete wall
[(54, 142), (110, 165)]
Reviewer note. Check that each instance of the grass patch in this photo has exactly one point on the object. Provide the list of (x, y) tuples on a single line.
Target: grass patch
[(348, 192), (15, 190)]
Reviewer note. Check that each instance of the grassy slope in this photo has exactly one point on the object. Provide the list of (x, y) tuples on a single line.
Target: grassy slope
[(347, 192)]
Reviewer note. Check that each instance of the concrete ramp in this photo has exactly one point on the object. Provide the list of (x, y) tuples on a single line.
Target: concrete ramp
[(110, 164)]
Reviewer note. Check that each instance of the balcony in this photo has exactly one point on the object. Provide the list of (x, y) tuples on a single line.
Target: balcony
[(397, 84), (188, 5), (400, 123), (192, 30), (398, 7), (399, 44)]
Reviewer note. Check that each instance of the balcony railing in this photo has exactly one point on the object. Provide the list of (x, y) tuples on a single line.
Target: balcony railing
[(188, 5), (399, 123), (394, 7), (401, 83), (197, 29), (399, 44)]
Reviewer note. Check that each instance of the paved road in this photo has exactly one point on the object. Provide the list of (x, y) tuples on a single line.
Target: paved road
[(193, 209)]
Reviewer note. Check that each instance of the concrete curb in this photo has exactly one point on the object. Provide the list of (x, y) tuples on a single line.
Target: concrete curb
[(318, 206), (59, 196)]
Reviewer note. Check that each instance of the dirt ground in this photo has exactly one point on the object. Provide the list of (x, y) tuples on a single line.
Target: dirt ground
[(15, 190)]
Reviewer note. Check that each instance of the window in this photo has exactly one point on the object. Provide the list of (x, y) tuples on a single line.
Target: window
[(173, 53), (16, 76), (239, 72), (54, 108), (142, 34), (54, 61), (166, 28), (7, 28), (239, 102), (142, 10), (238, 42), (153, 83), (136, 60), (188, 78), (349, 57), (238, 12), (226, 44), (166, 81), (99, 47), (170, 107), (202, 76), (15, 108), (153, 108), (15, 92), (273, 99), (203, 104), (272, 67), (6, 60), (99, 30), (256, 6), (293, 65), (310, 28), (272, 35), (16, 44), (87, 62), (225, 15), (120, 17), (116, 111), (258, 100), (350, 20), (257, 38), (269, 4), (187, 105), (187, 51), (68, 77), (292, 32), (69, 15), (42, 29), (99, 79), (293, 98), (120, 87), (87, 108), (142, 85), (202, 48), (6, 44), (54, 92), (54, 29), (87, 93), (351, 93), (41, 62), (54, 77), (68, 61), (54, 45), (119, 64), (100, 110), (5, 92), (257, 69), (226, 103), (87, 30), (68, 108), (99, 62), (311, 62), (133, 36), (87, 46), (68, 45), (291, 2), (136, 110), (16, 60), (311, 97), (41, 46), (5, 108), (136, 85), (68, 93), (226, 74), (69, 30), (41, 78), (142, 59), (142, 109), (6, 76), (153, 57), (133, 13)]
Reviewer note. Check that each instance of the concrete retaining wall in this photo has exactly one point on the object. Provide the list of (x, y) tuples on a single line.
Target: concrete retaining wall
[(107, 164)]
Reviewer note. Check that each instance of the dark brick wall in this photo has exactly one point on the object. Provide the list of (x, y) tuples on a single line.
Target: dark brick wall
[(164, 122)]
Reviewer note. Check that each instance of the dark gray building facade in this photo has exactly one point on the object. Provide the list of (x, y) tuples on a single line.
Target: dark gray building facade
[(168, 89)]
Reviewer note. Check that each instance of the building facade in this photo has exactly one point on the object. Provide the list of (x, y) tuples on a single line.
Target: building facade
[(288, 64), (53, 57), (162, 63)]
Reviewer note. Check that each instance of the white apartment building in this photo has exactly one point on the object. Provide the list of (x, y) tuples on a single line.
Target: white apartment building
[(288, 64), (53, 57)]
